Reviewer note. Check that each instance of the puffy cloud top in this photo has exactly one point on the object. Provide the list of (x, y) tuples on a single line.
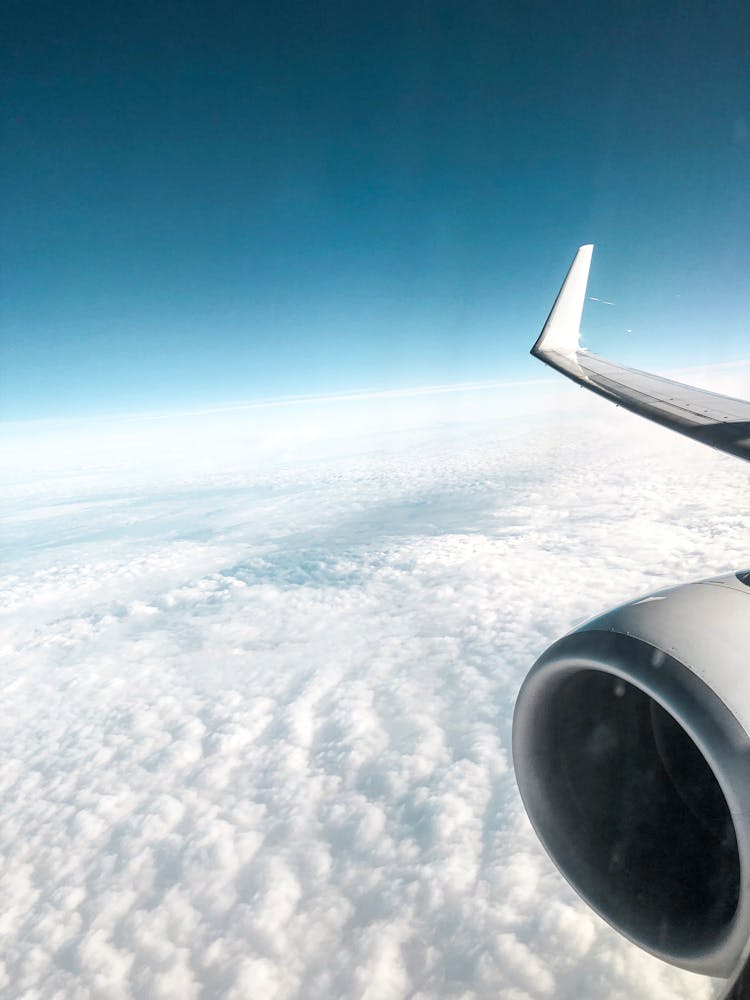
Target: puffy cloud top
[(256, 726)]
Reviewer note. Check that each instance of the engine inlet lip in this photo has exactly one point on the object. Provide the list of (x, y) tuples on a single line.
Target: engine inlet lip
[(708, 722)]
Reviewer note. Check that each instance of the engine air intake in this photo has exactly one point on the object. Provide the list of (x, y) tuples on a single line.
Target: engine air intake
[(635, 773)]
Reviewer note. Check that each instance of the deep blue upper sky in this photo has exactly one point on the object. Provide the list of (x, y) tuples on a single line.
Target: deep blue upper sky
[(211, 202)]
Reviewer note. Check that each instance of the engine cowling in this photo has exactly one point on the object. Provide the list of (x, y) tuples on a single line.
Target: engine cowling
[(632, 756)]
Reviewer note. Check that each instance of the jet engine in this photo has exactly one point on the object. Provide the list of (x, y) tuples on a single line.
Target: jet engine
[(632, 755)]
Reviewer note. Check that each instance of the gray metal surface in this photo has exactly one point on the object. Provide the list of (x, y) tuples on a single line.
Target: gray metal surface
[(704, 625), (719, 421)]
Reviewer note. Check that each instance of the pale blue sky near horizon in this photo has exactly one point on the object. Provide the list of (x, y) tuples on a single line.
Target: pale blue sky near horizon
[(204, 206)]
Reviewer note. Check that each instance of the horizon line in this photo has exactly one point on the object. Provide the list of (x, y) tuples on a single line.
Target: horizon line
[(354, 395)]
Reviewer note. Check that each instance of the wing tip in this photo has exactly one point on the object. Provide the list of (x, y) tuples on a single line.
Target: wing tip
[(561, 332)]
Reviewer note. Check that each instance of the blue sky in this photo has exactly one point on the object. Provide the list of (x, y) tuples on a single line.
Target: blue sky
[(209, 203)]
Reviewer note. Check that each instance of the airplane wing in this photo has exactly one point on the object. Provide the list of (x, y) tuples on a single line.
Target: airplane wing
[(719, 421)]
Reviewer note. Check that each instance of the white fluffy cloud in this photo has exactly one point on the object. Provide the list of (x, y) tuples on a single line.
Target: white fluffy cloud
[(256, 723)]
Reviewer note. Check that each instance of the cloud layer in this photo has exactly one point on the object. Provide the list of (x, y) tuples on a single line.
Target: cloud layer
[(256, 726)]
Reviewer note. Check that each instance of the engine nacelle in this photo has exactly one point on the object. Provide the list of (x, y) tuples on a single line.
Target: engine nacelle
[(632, 756)]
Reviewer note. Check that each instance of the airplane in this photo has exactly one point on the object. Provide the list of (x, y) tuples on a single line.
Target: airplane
[(631, 734)]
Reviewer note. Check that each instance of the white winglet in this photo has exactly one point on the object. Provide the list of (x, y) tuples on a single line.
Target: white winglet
[(561, 332), (719, 421)]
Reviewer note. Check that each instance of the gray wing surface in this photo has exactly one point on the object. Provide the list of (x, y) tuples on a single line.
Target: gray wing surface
[(719, 421)]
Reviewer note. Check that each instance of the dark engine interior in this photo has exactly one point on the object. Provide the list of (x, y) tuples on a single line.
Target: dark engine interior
[(643, 824)]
